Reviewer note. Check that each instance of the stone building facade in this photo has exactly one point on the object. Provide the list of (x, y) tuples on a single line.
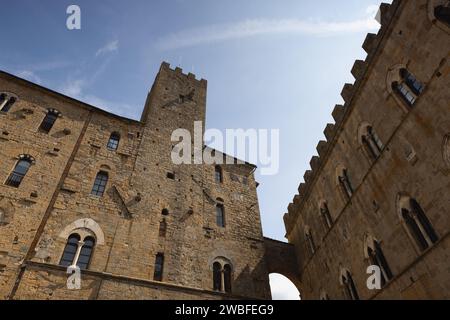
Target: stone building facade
[(378, 194), (83, 186)]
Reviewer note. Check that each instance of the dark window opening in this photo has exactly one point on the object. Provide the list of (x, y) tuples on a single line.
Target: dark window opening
[(220, 215), (326, 216), (86, 253), (159, 264), (8, 104), (113, 142), (218, 174), (100, 184), (377, 258), (346, 186), (165, 212), (349, 286), (442, 13), (171, 175), (227, 278), (372, 143), (49, 120), (70, 250), (310, 241), (19, 172), (217, 276)]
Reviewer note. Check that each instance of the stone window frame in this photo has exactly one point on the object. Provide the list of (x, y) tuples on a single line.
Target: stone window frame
[(114, 141), (327, 222), (369, 141), (8, 97), (431, 5), (344, 183), (224, 287), (371, 243), (394, 76), (220, 204), (23, 156), (403, 203), (309, 241), (85, 228), (49, 111), (105, 166), (349, 289)]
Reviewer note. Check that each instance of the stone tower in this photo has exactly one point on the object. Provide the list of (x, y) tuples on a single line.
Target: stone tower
[(101, 191)]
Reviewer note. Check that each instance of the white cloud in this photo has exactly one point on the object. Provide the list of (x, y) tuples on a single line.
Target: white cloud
[(282, 288), (256, 27), (29, 75), (109, 47)]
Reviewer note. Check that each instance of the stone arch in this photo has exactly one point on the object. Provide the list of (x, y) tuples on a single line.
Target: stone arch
[(90, 226), (369, 241), (280, 257)]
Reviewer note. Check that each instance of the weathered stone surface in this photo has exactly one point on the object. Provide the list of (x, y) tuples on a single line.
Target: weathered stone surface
[(412, 164), (126, 220)]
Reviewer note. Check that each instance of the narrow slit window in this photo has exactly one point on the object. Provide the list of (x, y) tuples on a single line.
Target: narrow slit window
[(159, 265), (220, 215)]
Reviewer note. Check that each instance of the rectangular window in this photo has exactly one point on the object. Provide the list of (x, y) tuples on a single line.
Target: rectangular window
[(159, 264), (220, 216), (100, 184)]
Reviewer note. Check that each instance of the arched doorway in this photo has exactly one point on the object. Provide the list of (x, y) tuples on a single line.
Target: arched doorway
[(282, 288)]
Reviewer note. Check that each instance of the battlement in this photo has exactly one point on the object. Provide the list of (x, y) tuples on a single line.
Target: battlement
[(359, 70), (179, 71)]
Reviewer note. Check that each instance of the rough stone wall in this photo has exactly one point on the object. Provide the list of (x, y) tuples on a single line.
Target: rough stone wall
[(413, 162), (126, 220)]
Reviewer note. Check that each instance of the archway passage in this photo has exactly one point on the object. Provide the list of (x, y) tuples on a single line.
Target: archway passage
[(281, 260), (282, 288)]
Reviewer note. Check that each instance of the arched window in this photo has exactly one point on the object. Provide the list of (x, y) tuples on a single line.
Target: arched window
[(162, 228), (310, 241), (222, 276), (113, 142), (326, 216), (217, 276), (86, 252), (77, 252), (49, 120), (442, 13), (218, 174), (376, 258), (100, 184), (408, 87), (159, 266), (220, 215), (6, 102), (349, 286), (227, 278), (371, 142), (345, 184), (418, 225), (20, 170), (165, 212), (70, 250)]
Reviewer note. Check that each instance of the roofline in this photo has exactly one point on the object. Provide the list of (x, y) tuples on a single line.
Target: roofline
[(237, 159), (83, 104)]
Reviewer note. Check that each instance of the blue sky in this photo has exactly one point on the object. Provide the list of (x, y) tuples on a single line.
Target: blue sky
[(269, 64)]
